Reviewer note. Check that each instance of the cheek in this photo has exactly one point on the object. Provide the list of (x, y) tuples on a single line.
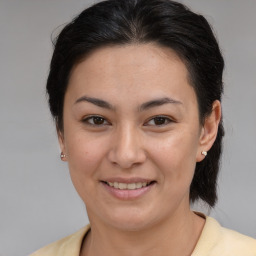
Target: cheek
[(175, 156), (85, 155)]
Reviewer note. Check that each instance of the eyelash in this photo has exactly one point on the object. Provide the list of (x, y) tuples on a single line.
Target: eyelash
[(86, 120), (169, 120)]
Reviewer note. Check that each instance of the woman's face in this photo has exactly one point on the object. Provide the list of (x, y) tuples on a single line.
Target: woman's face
[(131, 135)]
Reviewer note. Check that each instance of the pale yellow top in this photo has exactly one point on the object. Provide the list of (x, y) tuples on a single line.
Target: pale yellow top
[(214, 241)]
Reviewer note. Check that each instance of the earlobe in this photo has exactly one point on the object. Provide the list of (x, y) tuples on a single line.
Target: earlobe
[(209, 130), (63, 155)]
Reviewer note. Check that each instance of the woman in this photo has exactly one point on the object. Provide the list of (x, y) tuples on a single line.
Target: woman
[(135, 89)]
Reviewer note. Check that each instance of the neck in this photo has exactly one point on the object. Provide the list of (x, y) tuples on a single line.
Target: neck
[(176, 236)]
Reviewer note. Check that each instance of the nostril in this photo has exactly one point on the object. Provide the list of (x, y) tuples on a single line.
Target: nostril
[(125, 153)]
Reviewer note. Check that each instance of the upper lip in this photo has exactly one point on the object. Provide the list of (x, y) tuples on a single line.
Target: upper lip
[(127, 180)]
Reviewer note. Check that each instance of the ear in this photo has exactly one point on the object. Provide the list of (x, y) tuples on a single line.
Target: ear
[(209, 130), (62, 144)]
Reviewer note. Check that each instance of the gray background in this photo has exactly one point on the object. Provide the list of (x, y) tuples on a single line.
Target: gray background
[(38, 203)]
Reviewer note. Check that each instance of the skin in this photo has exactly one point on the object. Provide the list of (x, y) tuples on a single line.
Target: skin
[(128, 142)]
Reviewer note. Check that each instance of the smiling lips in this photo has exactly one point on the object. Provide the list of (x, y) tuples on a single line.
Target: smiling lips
[(128, 190), (129, 186)]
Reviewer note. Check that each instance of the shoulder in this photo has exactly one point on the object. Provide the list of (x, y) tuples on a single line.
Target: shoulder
[(241, 245), (69, 245), (217, 240)]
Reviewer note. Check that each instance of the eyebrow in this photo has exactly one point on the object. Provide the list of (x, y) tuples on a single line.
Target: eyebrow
[(143, 107), (158, 102), (95, 101)]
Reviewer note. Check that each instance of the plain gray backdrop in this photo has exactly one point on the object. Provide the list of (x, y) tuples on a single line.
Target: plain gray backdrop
[(38, 203)]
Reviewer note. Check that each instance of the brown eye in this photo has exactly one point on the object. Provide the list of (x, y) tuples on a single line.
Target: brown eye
[(159, 121), (95, 121), (98, 120)]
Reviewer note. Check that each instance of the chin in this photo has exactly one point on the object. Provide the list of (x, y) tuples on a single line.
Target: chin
[(130, 220)]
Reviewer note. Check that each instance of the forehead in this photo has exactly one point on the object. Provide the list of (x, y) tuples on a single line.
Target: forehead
[(123, 58), (141, 70)]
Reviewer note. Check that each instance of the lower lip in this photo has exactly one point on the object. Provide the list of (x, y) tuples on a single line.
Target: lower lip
[(127, 194)]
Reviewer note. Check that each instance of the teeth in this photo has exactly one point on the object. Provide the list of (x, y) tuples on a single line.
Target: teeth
[(139, 185), (122, 186), (129, 186), (116, 185)]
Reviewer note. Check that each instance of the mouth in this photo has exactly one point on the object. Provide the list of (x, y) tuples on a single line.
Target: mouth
[(128, 186)]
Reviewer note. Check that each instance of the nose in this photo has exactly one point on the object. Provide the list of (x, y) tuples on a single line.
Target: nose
[(126, 148)]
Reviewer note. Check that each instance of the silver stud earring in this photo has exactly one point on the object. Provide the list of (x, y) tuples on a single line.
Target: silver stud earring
[(204, 153)]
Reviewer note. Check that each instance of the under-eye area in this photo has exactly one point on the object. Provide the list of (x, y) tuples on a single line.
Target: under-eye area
[(129, 186)]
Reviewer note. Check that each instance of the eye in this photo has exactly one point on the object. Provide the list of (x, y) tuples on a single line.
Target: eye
[(159, 121), (95, 121)]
